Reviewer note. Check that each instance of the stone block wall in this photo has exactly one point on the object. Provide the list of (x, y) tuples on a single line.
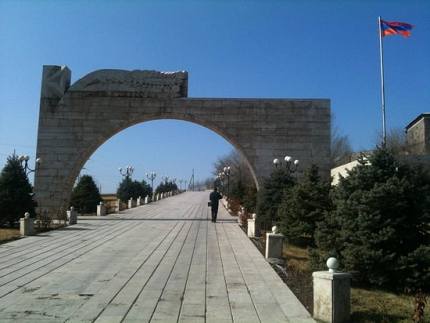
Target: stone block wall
[(72, 127)]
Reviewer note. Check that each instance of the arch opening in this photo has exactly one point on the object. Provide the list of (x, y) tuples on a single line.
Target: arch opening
[(145, 146)]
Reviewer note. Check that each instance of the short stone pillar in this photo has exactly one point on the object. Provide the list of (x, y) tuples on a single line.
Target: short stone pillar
[(139, 201), (72, 216), (117, 206), (274, 244), (240, 215), (26, 225), (130, 203), (146, 199), (157, 198), (101, 209), (251, 226), (332, 294)]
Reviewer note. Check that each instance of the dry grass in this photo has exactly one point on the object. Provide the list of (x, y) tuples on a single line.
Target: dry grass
[(9, 234), (297, 257), (367, 305), (380, 306)]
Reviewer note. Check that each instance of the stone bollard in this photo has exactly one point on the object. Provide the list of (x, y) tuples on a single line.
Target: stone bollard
[(157, 198), (139, 201), (101, 209), (274, 244), (26, 225), (147, 199), (153, 197), (130, 203), (332, 294), (72, 216), (241, 215), (118, 206), (251, 226)]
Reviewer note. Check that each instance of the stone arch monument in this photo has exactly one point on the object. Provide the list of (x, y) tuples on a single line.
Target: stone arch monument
[(76, 119)]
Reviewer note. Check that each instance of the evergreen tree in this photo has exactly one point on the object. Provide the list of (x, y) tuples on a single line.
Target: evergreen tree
[(250, 199), (132, 189), (165, 187), (146, 189), (270, 195), (15, 192), (85, 195), (380, 224), (303, 205)]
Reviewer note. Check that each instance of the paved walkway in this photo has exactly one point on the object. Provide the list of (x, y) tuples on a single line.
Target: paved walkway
[(163, 262)]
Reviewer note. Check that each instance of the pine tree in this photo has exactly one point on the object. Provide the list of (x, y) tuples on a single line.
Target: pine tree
[(15, 192), (303, 205), (379, 227), (128, 189), (165, 187), (146, 189), (85, 195), (269, 197)]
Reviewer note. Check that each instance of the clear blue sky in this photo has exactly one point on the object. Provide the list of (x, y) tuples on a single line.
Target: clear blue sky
[(261, 49)]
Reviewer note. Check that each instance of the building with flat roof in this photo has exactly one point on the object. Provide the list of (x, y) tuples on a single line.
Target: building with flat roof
[(418, 135)]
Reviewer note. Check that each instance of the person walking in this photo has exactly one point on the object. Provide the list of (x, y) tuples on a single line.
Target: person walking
[(214, 197)]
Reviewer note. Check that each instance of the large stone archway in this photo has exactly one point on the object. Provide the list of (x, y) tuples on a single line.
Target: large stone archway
[(76, 119)]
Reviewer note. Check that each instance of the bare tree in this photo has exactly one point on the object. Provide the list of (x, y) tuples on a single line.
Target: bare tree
[(239, 168), (341, 149), (396, 141)]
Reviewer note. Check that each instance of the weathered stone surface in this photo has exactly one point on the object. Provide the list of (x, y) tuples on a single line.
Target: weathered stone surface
[(101, 209), (251, 228), (55, 81), (26, 225), (72, 216), (70, 131), (143, 84), (332, 296), (164, 262), (274, 245)]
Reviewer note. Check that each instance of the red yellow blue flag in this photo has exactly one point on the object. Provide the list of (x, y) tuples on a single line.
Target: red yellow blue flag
[(389, 28)]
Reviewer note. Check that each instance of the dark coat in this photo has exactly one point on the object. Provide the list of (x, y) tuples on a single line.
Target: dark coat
[(214, 197)]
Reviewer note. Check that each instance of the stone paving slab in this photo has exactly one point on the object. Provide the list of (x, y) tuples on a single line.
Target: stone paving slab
[(162, 262)]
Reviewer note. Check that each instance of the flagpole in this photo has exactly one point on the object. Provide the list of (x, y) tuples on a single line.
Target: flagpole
[(381, 55)]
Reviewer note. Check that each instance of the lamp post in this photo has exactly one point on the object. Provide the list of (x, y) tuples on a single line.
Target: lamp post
[(151, 176), (226, 170), (221, 181), (24, 163), (126, 172), (165, 179), (290, 165)]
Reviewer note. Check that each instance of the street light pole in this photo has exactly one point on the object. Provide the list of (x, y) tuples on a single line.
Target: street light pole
[(126, 172), (227, 173), (24, 160), (290, 165), (151, 176)]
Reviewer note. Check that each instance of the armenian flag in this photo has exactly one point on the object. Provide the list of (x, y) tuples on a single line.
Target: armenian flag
[(389, 28)]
